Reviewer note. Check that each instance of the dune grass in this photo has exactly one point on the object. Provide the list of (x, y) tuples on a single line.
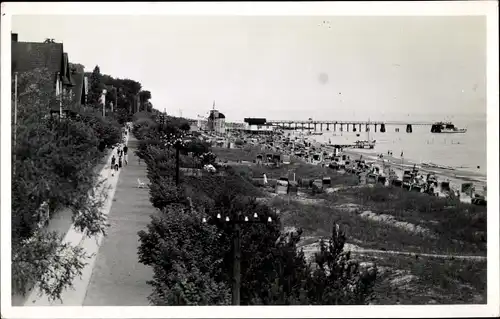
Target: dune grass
[(451, 220), (317, 218), (407, 280)]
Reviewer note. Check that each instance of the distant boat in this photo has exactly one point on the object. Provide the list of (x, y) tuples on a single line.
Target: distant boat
[(448, 127)]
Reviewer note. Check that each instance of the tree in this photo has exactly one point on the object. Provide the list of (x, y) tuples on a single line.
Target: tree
[(95, 90), (144, 96), (54, 167), (192, 273), (338, 279), (197, 147)]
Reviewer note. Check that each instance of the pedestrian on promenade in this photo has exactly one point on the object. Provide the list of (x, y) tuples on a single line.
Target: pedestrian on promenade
[(113, 161), (125, 149), (125, 157)]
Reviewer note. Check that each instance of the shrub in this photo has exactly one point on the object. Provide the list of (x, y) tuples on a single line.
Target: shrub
[(191, 274), (55, 164)]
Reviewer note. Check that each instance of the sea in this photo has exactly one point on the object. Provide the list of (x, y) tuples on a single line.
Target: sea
[(463, 151)]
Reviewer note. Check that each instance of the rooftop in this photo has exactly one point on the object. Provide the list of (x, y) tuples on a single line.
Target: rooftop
[(28, 56)]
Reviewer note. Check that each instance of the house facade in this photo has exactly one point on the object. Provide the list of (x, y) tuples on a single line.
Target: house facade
[(65, 80)]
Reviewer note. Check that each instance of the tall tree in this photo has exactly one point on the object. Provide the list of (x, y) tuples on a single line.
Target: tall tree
[(144, 97), (95, 89)]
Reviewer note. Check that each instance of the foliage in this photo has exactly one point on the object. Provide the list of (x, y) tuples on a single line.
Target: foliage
[(106, 129), (95, 87), (42, 258), (456, 221), (144, 96), (122, 92), (193, 260), (338, 279), (190, 275), (208, 158), (55, 164), (197, 147)]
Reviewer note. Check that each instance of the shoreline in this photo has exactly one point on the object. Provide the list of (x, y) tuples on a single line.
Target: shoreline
[(456, 177)]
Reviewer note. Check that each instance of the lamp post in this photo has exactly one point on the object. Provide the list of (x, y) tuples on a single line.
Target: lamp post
[(178, 144), (103, 99), (235, 222)]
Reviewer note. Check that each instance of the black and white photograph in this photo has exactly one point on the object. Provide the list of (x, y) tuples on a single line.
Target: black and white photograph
[(250, 154)]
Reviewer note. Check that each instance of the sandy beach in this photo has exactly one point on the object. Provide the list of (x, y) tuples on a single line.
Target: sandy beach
[(456, 176)]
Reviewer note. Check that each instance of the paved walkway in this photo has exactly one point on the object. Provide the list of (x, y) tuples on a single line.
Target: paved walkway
[(113, 276), (74, 297), (118, 279)]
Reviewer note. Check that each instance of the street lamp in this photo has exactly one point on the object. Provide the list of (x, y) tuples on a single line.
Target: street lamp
[(236, 221), (178, 144)]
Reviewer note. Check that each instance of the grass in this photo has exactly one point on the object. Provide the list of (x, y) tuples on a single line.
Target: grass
[(247, 153), (435, 281), (452, 221), (317, 219)]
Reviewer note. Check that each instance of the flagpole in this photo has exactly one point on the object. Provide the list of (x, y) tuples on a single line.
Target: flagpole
[(103, 98)]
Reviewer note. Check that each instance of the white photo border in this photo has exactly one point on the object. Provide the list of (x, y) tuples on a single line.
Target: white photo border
[(434, 8)]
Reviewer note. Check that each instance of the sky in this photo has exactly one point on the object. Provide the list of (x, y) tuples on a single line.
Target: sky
[(284, 67)]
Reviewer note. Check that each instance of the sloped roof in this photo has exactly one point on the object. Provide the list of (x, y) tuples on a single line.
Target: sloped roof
[(27, 56), (77, 72), (78, 88), (66, 71)]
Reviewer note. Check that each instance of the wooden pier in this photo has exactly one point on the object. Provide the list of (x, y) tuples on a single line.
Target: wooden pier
[(356, 126)]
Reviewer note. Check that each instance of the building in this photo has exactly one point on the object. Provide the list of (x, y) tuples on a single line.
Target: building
[(257, 126), (216, 122), (29, 56)]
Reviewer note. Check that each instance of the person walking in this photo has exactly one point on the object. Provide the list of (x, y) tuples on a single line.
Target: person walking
[(120, 162), (113, 162), (125, 154)]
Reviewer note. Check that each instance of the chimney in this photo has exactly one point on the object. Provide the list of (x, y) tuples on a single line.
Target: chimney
[(13, 37)]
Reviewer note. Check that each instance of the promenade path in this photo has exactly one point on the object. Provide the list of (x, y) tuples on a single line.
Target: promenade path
[(113, 276), (118, 279)]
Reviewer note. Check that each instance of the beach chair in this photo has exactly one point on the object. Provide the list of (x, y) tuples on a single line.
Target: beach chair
[(140, 184)]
